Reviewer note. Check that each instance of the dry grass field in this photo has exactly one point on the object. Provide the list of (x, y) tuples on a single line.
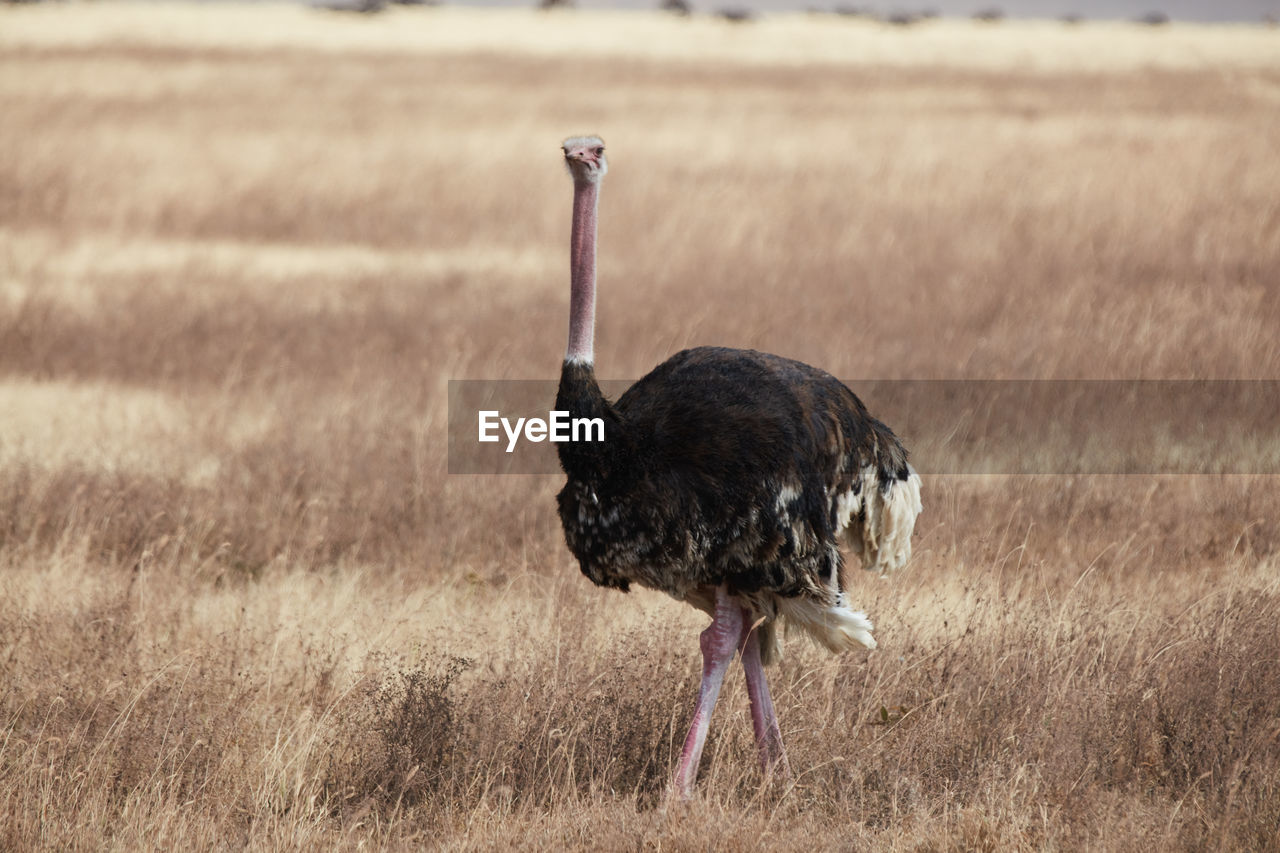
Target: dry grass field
[(242, 604)]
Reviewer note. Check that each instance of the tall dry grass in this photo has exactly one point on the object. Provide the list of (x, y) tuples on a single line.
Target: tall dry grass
[(243, 604)]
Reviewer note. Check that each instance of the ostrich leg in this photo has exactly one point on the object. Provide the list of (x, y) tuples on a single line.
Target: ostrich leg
[(763, 719), (719, 643)]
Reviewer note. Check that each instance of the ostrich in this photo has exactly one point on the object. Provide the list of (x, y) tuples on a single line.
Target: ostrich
[(725, 479)]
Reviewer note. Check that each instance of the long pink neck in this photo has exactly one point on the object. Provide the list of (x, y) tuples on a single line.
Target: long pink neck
[(582, 274)]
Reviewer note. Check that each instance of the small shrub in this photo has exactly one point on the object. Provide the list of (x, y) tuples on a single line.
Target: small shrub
[(396, 741)]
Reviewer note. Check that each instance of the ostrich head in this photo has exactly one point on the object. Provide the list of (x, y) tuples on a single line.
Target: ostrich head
[(584, 156)]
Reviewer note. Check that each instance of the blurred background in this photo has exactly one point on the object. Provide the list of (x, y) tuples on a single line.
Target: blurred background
[(1181, 10)]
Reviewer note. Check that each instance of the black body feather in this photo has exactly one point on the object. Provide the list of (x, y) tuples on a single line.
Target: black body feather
[(719, 466)]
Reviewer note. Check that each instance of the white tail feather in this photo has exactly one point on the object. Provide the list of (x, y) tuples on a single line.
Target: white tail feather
[(834, 627), (884, 540)]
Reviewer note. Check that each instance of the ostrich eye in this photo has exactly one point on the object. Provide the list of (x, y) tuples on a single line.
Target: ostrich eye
[(600, 151)]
